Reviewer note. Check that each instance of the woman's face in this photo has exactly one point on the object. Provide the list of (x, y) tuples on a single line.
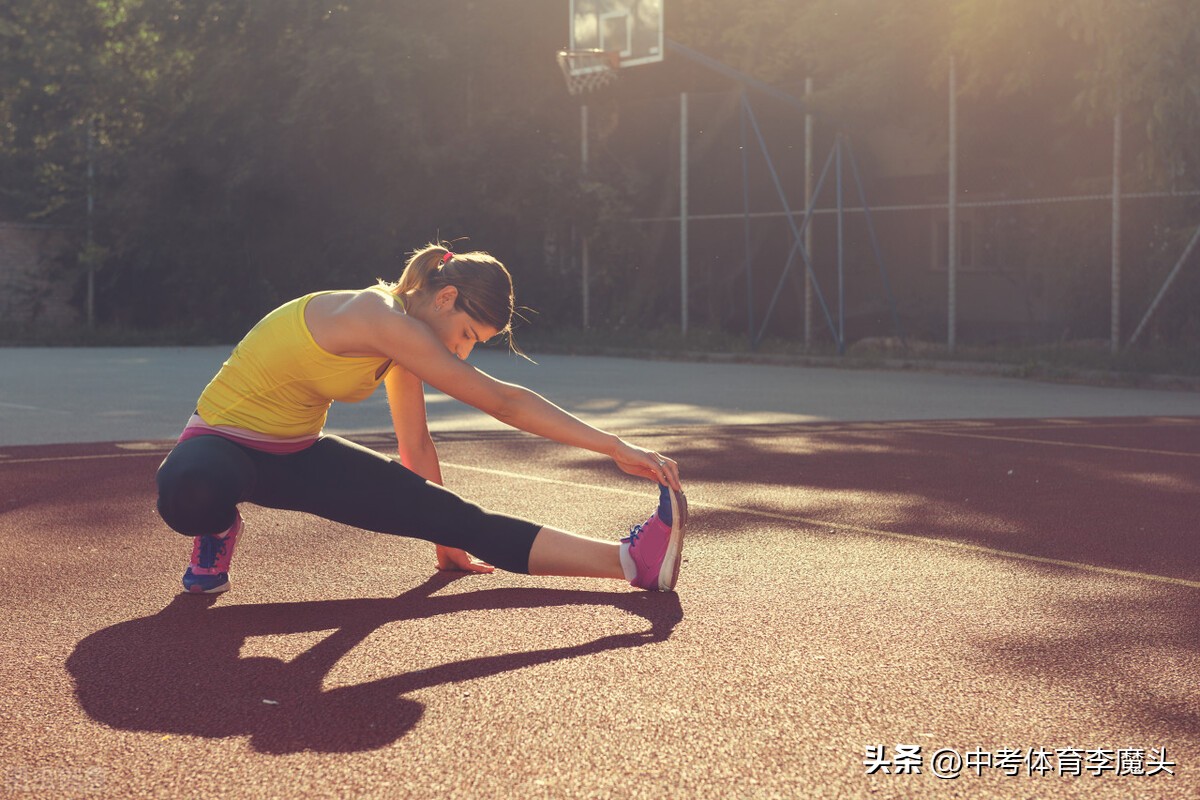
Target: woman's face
[(460, 333), (455, 328)]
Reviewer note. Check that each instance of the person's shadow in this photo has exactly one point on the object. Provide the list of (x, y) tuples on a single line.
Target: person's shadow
[(179, 671)]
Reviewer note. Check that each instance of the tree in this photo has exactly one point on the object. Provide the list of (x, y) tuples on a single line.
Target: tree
[(875, 59), (256, 150), (1141, 56)]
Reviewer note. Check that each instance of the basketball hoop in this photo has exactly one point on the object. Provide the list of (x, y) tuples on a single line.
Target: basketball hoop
[(588, 70)]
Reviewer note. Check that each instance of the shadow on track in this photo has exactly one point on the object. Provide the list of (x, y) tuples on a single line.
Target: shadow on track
[(179, 671)]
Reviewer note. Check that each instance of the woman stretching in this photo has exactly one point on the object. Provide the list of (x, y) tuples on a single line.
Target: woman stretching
[(257, 434)]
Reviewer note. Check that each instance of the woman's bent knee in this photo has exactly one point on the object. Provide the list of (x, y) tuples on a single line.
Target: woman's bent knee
[(197, 490), (190, 506)]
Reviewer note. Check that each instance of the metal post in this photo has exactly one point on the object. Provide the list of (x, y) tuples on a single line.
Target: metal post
[(683, 212), (1115, 334), (952, 238), (583, 138), (841, 267), (585, 257), (808, 201), (584, 249), (746, 226), (91, 205)]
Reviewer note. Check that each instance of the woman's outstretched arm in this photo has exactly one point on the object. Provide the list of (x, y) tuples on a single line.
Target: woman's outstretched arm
[(410, 344)]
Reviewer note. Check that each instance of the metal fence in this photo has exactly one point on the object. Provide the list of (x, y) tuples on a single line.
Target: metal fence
[(921, 253)]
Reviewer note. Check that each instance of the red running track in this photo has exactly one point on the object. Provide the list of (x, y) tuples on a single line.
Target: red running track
[(976, 586)]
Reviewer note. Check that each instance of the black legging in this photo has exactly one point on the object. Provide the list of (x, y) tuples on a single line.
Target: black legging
[(203, 479)]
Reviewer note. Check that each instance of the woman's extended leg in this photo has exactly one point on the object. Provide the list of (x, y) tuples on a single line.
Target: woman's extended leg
[(345, 482), (648, 557), (557, 552)]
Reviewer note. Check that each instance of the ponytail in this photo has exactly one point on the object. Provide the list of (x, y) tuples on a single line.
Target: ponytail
[(421, 269), (485, 289)]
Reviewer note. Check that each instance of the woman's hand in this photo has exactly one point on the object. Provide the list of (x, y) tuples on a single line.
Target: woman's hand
[(454, 560), (648, 464)]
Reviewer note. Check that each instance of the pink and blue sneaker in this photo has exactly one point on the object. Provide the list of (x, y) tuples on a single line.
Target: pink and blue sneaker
[(209, 570), (651, 553)]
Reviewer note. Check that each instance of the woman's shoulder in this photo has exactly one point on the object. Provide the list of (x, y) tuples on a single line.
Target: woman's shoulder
[(379, 296), (353, 301), (351, 322)]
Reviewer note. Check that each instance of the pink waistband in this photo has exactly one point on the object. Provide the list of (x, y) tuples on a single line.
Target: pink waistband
[(247, 438)]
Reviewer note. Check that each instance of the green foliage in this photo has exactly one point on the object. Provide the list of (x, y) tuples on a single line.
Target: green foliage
[(876, 60), (243, 151), (1142, 57)]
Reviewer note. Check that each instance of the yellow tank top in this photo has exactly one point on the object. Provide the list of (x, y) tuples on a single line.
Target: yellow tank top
[(279, 381)]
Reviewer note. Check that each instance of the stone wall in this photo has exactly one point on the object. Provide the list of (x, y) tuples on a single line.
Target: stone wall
[(34, 288)]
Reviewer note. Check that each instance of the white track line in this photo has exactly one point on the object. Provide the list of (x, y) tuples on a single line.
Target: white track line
[(906, 537), (8, 462), (1021, 440), (1085, 425)]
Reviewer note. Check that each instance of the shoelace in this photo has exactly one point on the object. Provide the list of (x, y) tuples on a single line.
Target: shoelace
[(210, 549), (634, 533)]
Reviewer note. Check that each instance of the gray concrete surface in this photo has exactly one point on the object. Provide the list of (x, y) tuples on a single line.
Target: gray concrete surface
[(123, 394)]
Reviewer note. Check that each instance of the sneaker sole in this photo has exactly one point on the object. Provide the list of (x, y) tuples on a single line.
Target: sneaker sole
[(668, 574), (224, 587)]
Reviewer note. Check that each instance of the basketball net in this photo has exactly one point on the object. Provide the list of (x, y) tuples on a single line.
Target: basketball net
[(588, 70)]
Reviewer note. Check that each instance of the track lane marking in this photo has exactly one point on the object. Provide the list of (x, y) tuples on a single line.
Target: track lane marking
[(1087, 425), (40, 409), (905, 537), (1083, 445), (948, 428), (1081, 425), (7, 462)]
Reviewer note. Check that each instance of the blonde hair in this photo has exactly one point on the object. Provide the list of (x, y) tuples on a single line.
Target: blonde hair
[(485, 289)]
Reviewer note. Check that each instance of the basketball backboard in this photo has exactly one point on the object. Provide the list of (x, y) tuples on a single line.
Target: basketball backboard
[(631, 28)]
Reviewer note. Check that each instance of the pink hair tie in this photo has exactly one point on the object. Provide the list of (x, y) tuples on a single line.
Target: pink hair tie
[(446, 258)]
